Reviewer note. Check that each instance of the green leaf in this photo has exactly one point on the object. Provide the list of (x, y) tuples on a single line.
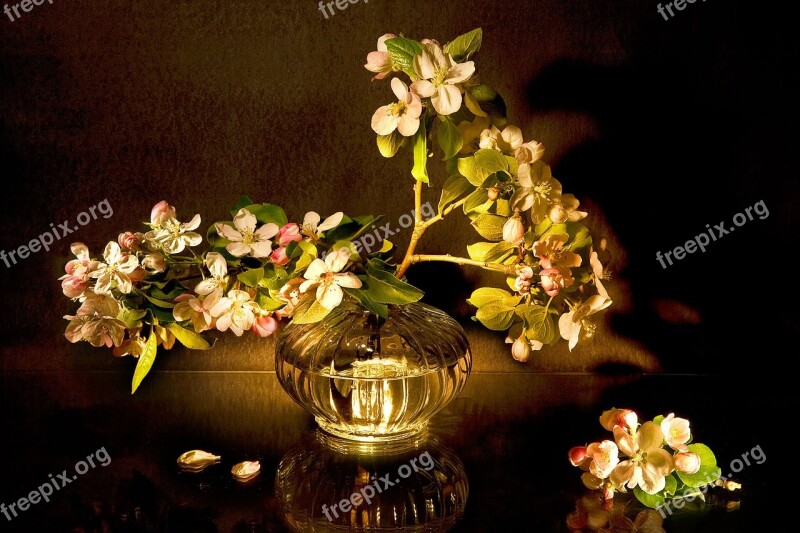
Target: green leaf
[(539, 324), (450, 138), (657, 420), (402, 52), (268, 213), (485, 295), (190, 339), (267, 302), (453, 190), (655, 501), (708, 472), (146, 360), (579, 236), (310, 314), (484, 163), (490, 227), (482, 93), (243, 201), (477, 202), (496, 316), (251, 277), (385, 288), (463, 46), (491, 251), (420, 170), (309, 254), (159, 303), (131, 317), (363, 296), (388, 145)]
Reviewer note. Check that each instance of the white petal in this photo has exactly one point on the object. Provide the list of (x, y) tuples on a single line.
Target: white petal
[(337, 260), (408, 126), (332, 221), (329, 296), (267, 231), (219, 308), (423, 65), (311, 220), (238, 249), (80, 250), (524, 175), (447, 100), (460, 72), (205, 287), (228, 232), (112, 252), (424, 88), (245, 221), (261, 249), (307, 284), (192, 224), (316, 269), (191, 238), (216, 264), (348, 279)]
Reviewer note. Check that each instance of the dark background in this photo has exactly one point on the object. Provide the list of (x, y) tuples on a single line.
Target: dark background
[(659, 127)]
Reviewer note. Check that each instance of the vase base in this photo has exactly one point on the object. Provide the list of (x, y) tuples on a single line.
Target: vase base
[(367, 437)]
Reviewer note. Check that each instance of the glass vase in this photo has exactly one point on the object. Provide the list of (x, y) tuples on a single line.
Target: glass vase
[(369, 379)]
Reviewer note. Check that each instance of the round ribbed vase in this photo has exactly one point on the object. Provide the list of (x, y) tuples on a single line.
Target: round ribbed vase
[(369, 379)]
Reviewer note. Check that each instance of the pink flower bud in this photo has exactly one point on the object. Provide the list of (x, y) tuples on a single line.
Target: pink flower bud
[(73, 287), (279, 257), (687, 462), (161, 212), (619, 417), (577, 455), (521, 350), (264, 326), (492, 193), (129, 241), (513, 230), (289, 233)]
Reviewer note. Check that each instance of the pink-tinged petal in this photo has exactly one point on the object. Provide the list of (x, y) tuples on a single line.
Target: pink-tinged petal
[(414, 106), (315, 270), (626, 443), (161, 212), (382, 41), (384, 121), (264, 326), (238, 249), (329, 295), (228, 232), (447, 100), (460, 72), (331, 222), (423, 88), (192, 224), (378, 62), (399, 89), (407, 126), (261, 249), (245, 221), (348, 279), (267, 231), (337, 260)]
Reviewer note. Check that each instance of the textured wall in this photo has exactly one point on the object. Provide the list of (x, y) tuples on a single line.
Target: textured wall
[(660, 126)]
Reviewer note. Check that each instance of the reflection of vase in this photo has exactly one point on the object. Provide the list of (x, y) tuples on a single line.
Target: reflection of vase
[(411, 485), (369, 379)]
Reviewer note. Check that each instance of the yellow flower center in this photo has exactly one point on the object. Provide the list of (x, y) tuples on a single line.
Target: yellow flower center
[(398, 109)]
